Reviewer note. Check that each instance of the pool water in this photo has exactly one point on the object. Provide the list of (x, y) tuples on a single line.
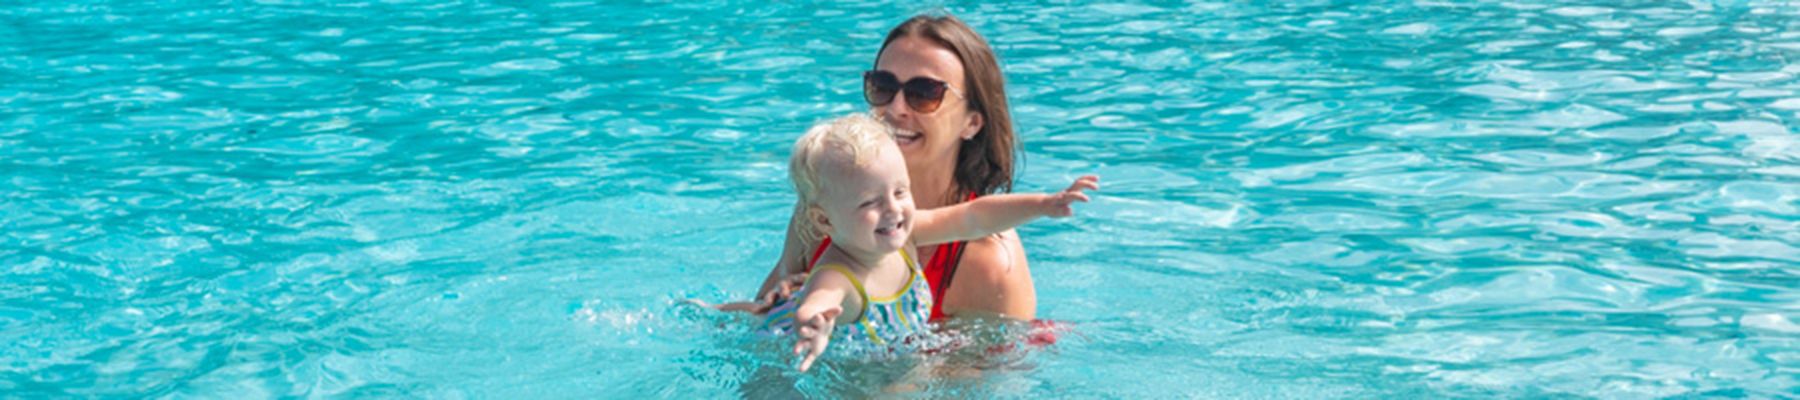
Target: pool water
[(509, 199)]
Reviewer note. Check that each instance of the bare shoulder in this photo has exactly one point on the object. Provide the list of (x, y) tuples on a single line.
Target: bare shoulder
[(830, 273), (993, 277), (834, 285), (993, 256)]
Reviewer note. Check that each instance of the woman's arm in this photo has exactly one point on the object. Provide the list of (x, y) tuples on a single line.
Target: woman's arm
[(790, 269)]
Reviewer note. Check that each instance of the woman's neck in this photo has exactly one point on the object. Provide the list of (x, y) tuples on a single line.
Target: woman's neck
[(933, 189)]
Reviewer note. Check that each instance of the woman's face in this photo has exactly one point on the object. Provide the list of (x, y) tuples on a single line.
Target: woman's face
[(927, 140)]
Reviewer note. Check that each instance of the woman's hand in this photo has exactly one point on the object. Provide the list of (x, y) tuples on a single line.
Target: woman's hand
[(783, 291), (1058, 204)]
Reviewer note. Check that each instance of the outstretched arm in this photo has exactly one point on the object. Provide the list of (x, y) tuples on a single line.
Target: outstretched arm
[(817, 316), (992, 214)]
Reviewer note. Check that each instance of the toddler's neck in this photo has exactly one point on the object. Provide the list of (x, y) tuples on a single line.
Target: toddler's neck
[(863, 263)]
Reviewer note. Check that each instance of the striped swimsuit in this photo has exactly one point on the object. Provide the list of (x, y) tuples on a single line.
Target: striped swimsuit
[(885, 320)]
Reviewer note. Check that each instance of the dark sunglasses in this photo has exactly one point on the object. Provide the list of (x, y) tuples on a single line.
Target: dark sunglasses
[(922, 94)]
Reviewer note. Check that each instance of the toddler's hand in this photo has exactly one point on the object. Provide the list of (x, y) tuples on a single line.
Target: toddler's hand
[(814, 335), (1059, 203)]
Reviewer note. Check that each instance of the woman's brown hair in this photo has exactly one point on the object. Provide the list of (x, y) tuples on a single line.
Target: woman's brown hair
[(984, 163)]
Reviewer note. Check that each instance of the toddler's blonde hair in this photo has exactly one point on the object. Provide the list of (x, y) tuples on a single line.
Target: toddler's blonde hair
[(847, 141)]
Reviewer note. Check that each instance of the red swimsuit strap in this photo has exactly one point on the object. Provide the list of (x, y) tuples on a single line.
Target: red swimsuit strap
[(820, 252), (938, 271)]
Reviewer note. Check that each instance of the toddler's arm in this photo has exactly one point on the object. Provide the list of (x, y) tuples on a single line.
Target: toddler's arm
[(816, 317), (993, 214)]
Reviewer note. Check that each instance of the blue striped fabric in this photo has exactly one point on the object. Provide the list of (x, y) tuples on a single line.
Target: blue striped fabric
[(884, 320)]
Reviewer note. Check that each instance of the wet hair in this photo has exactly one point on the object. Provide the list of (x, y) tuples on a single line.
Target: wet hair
[(849, 141), (984, 163)]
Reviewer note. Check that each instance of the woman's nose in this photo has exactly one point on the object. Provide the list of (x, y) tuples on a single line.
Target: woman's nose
[(897, 109)]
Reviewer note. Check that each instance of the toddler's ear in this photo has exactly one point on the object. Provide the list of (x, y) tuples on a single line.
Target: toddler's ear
[(816, 216)]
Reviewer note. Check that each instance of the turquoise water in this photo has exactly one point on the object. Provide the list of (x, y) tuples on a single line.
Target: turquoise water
[(508, 198)]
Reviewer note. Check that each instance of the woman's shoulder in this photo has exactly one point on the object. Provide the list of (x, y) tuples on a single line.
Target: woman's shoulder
[(995, 260), (993, 278)]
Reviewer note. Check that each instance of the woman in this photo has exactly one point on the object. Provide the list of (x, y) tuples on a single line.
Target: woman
[(939, 84)]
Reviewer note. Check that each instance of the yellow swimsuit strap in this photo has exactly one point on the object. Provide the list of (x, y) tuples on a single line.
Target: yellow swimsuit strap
[(863, 313)]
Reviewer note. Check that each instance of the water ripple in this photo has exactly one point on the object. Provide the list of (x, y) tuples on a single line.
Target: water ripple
[(489, 199)]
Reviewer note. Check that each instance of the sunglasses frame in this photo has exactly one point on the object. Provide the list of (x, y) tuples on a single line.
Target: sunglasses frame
[(911, 88)]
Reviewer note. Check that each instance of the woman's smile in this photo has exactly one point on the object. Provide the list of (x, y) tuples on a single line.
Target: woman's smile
[(906, 138)]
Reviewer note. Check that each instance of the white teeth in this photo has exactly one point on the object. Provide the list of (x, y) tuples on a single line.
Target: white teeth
[(906, 136), (889, 230)]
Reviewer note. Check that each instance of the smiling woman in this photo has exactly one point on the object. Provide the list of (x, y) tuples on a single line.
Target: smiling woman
[(939, 84)]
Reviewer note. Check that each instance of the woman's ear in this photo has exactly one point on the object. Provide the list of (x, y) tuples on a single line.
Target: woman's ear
[(976, 121)]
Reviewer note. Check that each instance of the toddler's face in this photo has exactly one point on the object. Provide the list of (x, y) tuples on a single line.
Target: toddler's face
[(870, 207)]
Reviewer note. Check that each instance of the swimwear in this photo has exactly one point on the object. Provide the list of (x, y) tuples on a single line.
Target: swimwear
[(884, 320), (938, 271)]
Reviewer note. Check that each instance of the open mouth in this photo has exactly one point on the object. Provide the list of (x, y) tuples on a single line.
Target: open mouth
[(906, 137), (891, 230)]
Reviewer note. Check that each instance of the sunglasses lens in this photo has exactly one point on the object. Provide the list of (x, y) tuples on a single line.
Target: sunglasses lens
[(879, 87), (924, 94)]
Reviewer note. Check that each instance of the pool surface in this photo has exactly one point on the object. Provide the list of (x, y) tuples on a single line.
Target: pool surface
[(509, 199)]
